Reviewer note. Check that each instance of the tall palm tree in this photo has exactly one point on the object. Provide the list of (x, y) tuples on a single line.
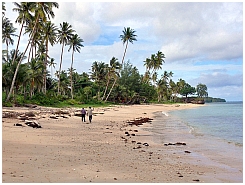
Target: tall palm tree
[(8, 31), (75, 45), (49, 32), (24, 9), (65, 34), (3, 8), (42, 11), (127, 36)]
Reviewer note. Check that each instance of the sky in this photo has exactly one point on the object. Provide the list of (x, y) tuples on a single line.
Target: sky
[(202, 41)]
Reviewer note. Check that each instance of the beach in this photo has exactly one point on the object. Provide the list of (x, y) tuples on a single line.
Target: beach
[(110, 149)]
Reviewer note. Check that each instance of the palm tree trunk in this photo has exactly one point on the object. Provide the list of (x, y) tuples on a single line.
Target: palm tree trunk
[(125, 52), (15, 73), (107, 84), (61, 56), (7, 50), (71, 73), (45, 68), (17, 68), (18, 43), (111, 89)]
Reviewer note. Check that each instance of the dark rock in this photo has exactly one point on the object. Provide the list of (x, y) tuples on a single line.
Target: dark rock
[(179, 143), (197, 180), (18, 124)]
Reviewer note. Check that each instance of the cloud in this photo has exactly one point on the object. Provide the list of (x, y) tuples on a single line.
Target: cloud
[(202, 41), (217, 79)]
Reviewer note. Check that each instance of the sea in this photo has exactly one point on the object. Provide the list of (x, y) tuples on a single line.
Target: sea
[(213, 133)]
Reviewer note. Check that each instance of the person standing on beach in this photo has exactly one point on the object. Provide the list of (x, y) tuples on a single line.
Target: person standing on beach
[(83, 111), (90, 114)]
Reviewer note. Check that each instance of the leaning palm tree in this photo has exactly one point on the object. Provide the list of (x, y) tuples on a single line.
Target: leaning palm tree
[(127, 36), (42, 11), (65, 34), (75, 45), (112, 71)]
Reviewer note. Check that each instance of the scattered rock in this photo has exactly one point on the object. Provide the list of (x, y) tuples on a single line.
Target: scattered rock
[(197, 180), (18, 124), (187, 152), (146, 144), (180, 143)]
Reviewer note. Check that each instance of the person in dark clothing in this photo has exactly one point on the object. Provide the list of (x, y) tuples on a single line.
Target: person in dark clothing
[(83, 111)]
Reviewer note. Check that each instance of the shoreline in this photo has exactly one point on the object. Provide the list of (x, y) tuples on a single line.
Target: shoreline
[(223, 159), (67, 150)]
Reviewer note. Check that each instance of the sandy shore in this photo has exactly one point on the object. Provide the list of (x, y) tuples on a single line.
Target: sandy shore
[(68, 150)]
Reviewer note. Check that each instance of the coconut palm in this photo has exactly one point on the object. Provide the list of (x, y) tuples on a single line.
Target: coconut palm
[(112, 72), (65, 34), (35, 74), (3, 8), (49, 32), (75, 44), (99, 71), (51, 64), (7, 32), (25, 16), (42, 11), (127, 36)]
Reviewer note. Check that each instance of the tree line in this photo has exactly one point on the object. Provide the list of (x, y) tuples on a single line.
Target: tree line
[(25, 74)]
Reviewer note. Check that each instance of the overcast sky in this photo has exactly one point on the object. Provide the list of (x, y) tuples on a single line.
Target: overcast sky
[(202, 41)]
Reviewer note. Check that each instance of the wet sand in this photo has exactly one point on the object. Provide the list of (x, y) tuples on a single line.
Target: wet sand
[(67, 150)]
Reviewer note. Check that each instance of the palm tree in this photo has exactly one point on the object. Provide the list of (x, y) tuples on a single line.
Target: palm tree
[(41, 11), (98, 74), (35, 74), (51, 64), (3, 8), (65, 34), (75, 45), (127, 36), (25, 16), (7, 32), (112, 73), (49, 35)]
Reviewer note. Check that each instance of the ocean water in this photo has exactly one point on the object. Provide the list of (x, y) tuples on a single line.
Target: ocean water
[(217, 120), (213, 133)]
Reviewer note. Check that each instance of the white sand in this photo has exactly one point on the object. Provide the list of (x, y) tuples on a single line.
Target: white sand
[(69, 150)]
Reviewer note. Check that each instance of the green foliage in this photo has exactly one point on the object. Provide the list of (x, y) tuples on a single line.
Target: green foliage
[(210, 99), (187, 89), (41, 99), (202, 90)]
